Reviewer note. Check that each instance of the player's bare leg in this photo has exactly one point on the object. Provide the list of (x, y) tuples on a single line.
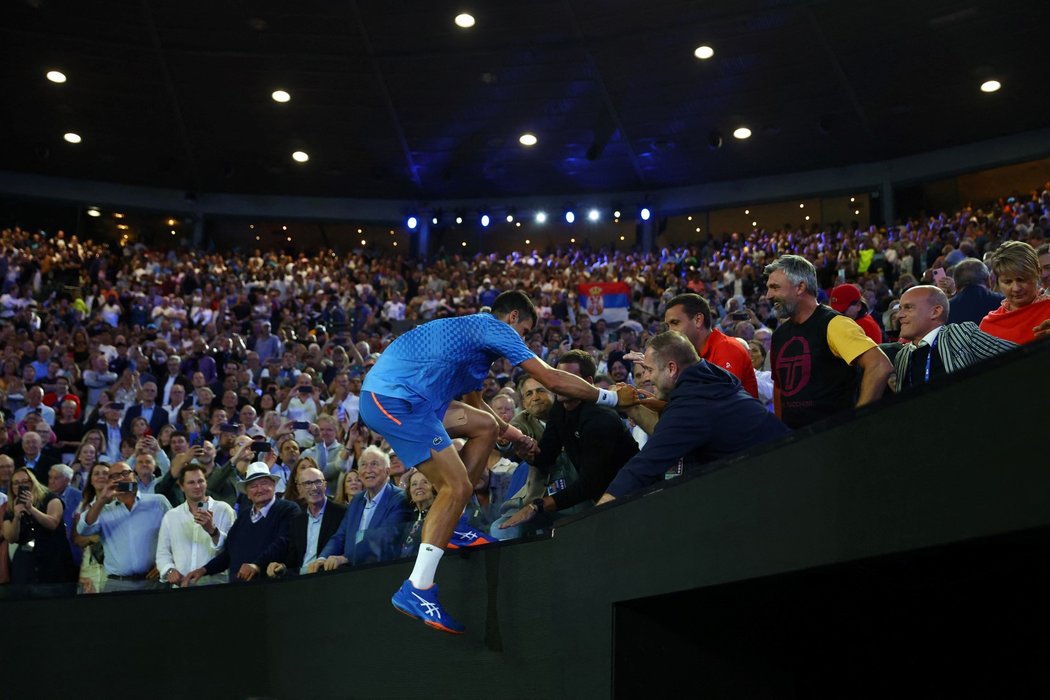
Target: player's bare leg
[(480, 430)]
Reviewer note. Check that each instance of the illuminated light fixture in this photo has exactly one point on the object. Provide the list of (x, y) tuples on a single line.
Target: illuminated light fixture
[(852, 199), (285, 228), (289, 239), (990, 86), (117, 215), (391, 232), (570, 216), (645, 213), (464, 244), (433, 221), (395, 244), (528, 242), (616, 214), (464, 20), (300, 156), (57, 76), (280, 96), (593, 215), (71, 137), (251, 226), (360, 231), (621, 238), (541, 217), (485, 220), (572, 240), (747, 211), (171, 222), (698, 229), (527, 140), (689, 218), (258, 238), (517, 224), (704, 52), (510, 218), (856, 211), (459, 219), (173, 232), (754, 223), (94, 212), (807, 217), (742, 133), (122, 227), (801, 206), (411, 223), (363, 242)]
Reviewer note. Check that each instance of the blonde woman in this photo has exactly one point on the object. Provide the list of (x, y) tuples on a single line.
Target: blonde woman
[(33, 521)]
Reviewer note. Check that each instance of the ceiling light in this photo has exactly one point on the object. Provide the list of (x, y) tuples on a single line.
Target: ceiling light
[(572, 240), (742, 133), (645, 213), (459, 219), (433, 221), (856, 211), (990, 85), (616, 214), (258, 237), (747, 211), (853, 199), (57, 76), (698, 229), (285, 228), (464, 20), (527, 140), (117, 215), (621, 238), (570, 217), (593, 215), (412, 222), (517, 224), (363, 242), (807, 217), (801, 206), (289, 239), (280, 96), (395, 244), (704, 52), (754, 223), (485, 220), (300, 156), (93, 211), (541, 217), (528, 242), (122, 227), (464, 244), (689, 218), (510, 218), (71, 137), (171, 222)]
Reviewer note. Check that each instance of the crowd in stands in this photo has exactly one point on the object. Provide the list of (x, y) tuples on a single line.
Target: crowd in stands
[(179, 417)]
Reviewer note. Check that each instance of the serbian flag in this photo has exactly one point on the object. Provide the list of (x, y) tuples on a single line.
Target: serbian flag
[(608, 300)]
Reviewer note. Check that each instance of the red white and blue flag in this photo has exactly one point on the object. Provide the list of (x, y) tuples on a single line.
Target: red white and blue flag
[(608, 300)]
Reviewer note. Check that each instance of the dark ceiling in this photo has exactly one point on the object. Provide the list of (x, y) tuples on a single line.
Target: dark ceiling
[(392, 100)]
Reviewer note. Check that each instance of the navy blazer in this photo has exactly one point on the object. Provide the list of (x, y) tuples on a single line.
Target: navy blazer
[(158, 421), (972, 303), (382, 540)]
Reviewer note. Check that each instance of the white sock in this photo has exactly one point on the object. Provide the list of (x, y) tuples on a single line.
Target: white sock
[(426, 565)]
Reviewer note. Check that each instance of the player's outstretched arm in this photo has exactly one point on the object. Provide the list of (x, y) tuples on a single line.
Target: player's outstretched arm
[(572, 386)]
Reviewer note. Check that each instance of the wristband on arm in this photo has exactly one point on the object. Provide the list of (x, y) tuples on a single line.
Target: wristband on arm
[(606, 398)]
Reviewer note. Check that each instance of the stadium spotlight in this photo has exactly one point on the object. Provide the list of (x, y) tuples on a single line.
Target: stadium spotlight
[(412, 223), (570, 216), (541, 217), (645, 213), (593, 215), (485, 220)]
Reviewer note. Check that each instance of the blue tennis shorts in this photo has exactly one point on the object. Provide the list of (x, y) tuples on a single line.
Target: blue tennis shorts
[(413, 428)]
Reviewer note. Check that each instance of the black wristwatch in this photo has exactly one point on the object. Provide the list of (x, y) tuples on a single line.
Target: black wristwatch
[(538, 504)]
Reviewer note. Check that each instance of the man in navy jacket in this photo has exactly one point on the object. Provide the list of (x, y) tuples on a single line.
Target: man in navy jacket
[(707, 416), (375, 520), (973, 301)]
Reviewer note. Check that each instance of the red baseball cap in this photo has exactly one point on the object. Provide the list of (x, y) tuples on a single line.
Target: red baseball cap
[(843, 297)]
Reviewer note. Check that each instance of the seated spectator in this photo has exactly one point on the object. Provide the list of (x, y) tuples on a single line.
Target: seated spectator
[(938, 348), (348, 486), (707, 416), (690, 315), (764, 377), (128, 523), (596, 440), (848, 301), (309, 532), (422, 494), (192, 534), (373, 526), (973, 300), (1024, 310), (35, 456), (35, 404), (258, 534), (33, 522)]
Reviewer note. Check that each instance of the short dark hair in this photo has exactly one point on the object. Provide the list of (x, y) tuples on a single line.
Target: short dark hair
[(514, 300), (584, 360), (692, 304), (673, 346), (193, 466)]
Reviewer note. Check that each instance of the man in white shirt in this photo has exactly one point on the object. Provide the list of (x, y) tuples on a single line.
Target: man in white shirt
[(35, 404), (192, 534)]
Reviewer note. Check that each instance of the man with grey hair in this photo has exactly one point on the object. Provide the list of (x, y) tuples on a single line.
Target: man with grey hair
[(816, 351), (58, 478), (973, 300), (374, 522)]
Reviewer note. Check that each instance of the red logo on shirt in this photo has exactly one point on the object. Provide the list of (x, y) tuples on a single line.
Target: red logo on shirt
[(793, 366)]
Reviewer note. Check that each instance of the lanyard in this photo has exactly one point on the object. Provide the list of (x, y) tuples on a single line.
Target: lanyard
[(933, 348)]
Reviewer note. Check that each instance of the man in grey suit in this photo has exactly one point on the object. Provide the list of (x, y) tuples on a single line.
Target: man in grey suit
[(938, 348)]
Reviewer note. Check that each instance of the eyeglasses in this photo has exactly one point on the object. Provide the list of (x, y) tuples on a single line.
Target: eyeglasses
[(113, 476), (312, 484)]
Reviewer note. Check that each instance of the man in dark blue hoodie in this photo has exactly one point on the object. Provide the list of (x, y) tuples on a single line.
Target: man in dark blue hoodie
[(707, 416)]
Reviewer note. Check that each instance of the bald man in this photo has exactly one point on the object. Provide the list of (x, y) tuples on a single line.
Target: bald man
[(937, 348)]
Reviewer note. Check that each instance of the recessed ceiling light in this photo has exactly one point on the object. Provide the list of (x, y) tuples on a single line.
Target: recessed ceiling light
[(464, 244), (56, 76), (527, 140), (464, 20), (280, 96), (990, 85), (300, 156), (528, 242), (593, 215), (802, 206), (742, 133), (541, 217), (94, 212), (71, 137), (704, 52), (363, 242)]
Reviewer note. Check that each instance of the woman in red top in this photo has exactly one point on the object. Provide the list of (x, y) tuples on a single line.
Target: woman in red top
[(1016, 268)]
